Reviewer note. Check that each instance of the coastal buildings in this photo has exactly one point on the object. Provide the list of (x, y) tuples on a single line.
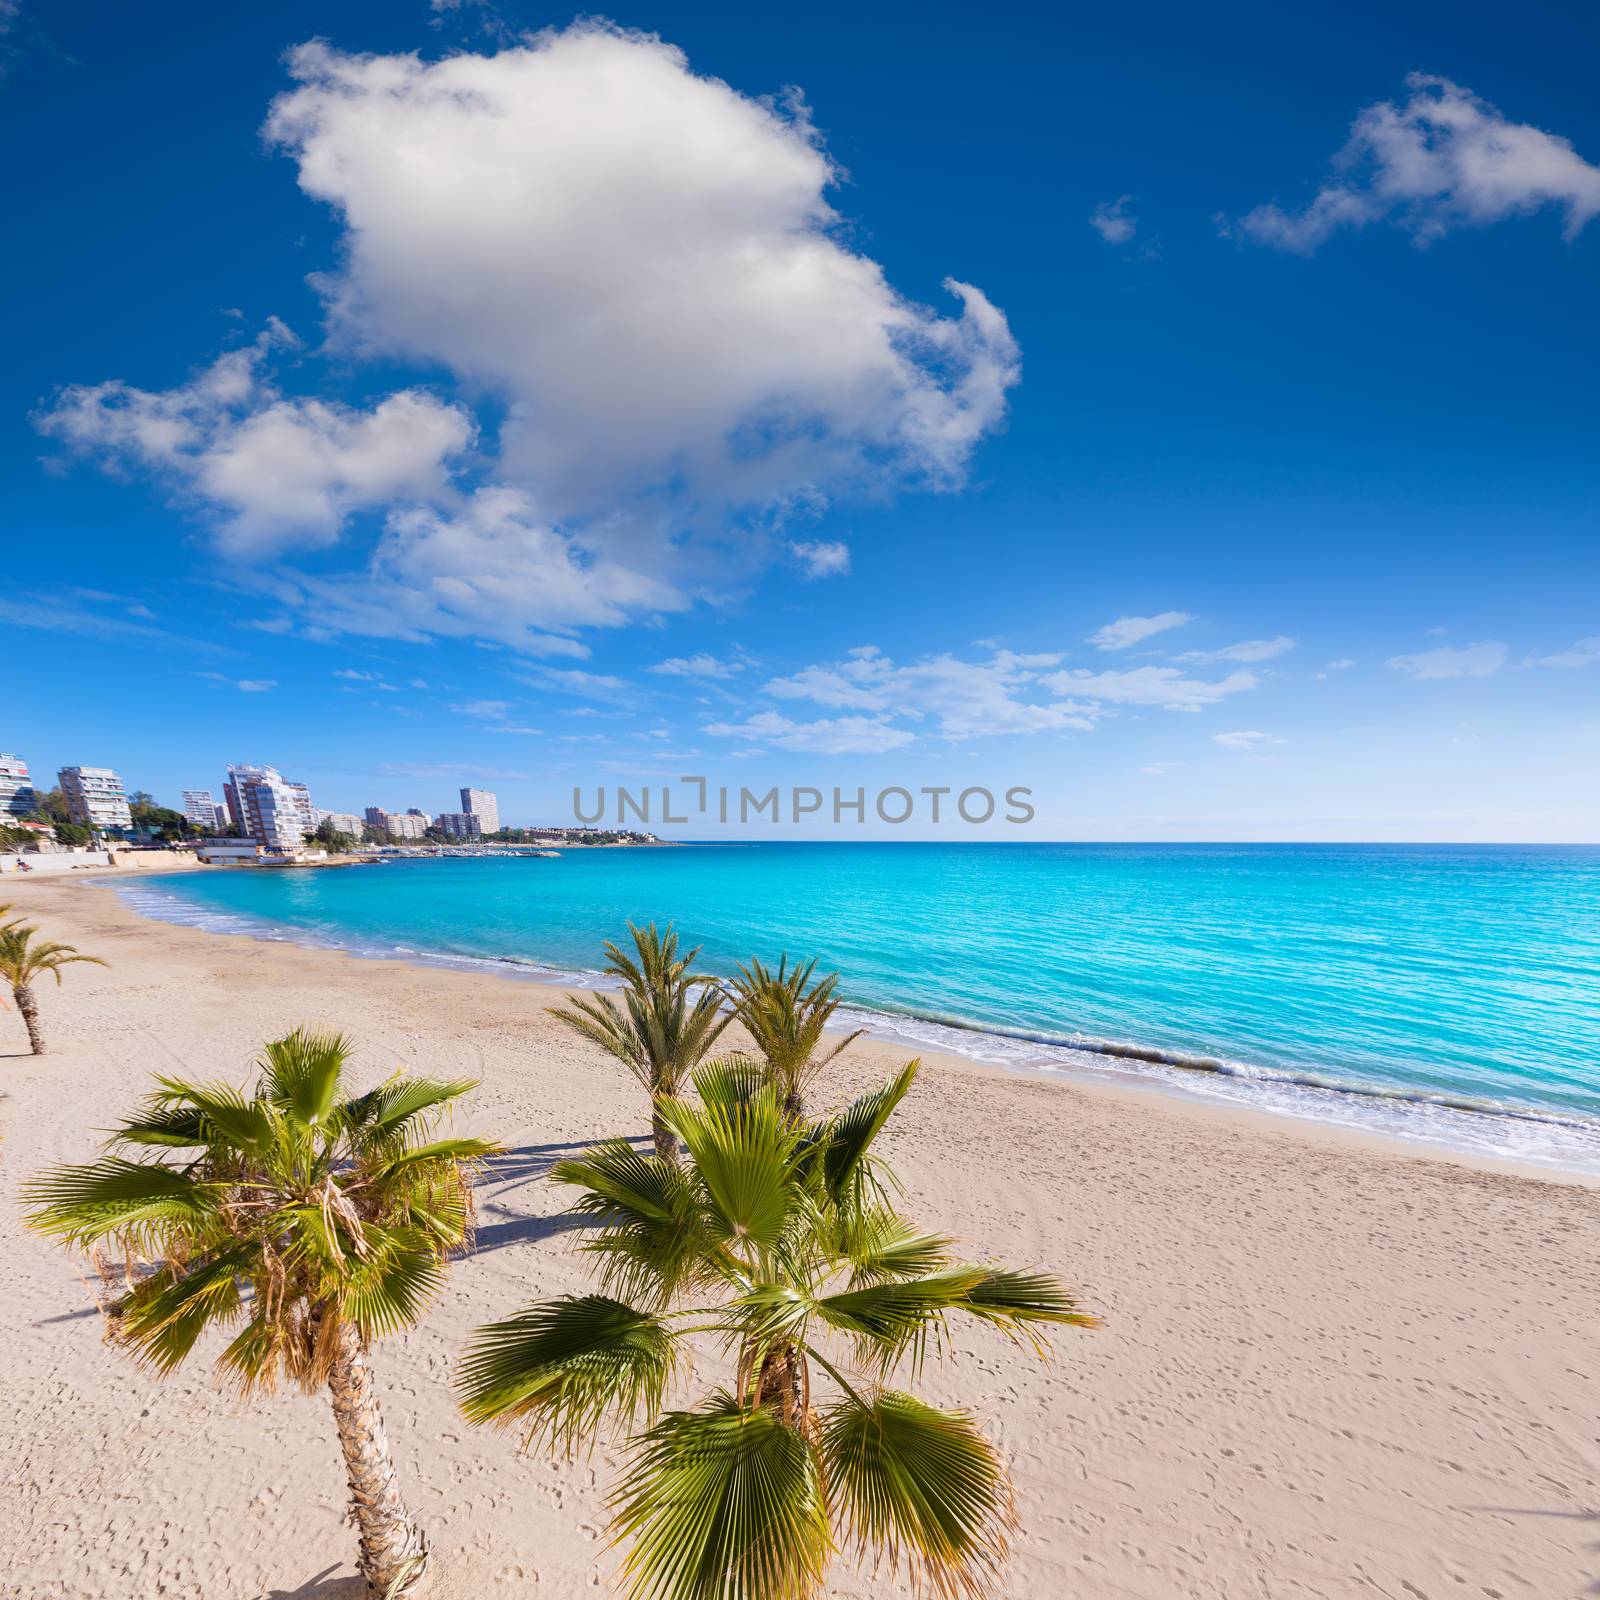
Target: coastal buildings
[(396, 824), (342, 822), (95, 798), (17, 794), (460, 825), (271, 809), (201, 809), (481, 804)]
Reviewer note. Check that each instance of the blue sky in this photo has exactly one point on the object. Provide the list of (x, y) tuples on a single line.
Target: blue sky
[(1190, 418)]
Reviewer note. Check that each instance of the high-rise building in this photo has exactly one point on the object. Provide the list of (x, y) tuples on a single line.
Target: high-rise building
[(342, 822), (378, 818), (417, 811), (482, 805), (17, 794), (201, 809), (459, 825), (405, 826), (95, 797), (268, 807)]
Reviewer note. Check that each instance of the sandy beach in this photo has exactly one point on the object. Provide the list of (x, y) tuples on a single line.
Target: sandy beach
[(1329, 1366)]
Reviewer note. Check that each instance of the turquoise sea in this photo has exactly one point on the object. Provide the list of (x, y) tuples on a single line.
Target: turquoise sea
[(1446, 993)]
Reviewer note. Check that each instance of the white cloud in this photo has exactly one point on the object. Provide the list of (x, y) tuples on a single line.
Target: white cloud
[(963, 699), (1478, 660), (1244, 739), (1248, 650), (1113, 221), (575, 681), (830, 736), (1585, 653), (271, 471), (697, 666), (581, 224), (1444, 159), (489, 709), (1127, 631), (248, 685), (492, 570), (1150, 686), (824, 558)]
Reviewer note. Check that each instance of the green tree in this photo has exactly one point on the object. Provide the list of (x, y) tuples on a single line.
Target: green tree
[(785, 1014), (776, 1236), (23, 963), (74, 833), (663, 1028), (330, 837), (313, 1220)]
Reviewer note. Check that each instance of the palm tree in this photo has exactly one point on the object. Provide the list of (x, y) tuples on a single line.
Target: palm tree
[(666, 1029), (21, 961), (786, 1019), (777, 1237), (312, 1219)]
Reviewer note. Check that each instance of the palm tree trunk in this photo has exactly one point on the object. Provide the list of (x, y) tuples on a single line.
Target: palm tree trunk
[(394, 1551), (667, 1145), (29, 1007)]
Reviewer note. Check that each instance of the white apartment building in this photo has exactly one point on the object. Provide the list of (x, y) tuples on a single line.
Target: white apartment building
[(342, 822), (273, 811), (481, 804), (460, 825), (201, 809), (17, 794), (405, 826), (95, 797)]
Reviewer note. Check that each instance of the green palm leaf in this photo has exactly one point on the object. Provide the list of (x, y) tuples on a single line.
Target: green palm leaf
[(83, 1205), (653, 1231), (561, 1366), (301, 1072), (922, 1487), (162, 1317), (847, 1169), (745, 1158), (1008, 1299), (723, 1504), (731, 1080)]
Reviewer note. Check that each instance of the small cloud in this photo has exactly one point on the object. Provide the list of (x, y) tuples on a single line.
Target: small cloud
[(1480, 660), (697, 666), (354, 676), (1127, 631), (575, 681), (1113, 221), (1246, 650), (828, 736), (1443, 160), (257, 685), (419, 683), (1585, 653), (823, 558), (1156, 768), (1244, 739), (490, 709)]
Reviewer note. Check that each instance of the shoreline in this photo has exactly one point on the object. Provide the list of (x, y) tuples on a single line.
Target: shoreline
[(1451, 1127)]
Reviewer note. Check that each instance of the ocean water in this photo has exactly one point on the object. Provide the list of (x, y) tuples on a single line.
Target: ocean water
[(1441, 993)]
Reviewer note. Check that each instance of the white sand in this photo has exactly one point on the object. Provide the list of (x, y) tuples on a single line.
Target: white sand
[(1330, 1366)]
